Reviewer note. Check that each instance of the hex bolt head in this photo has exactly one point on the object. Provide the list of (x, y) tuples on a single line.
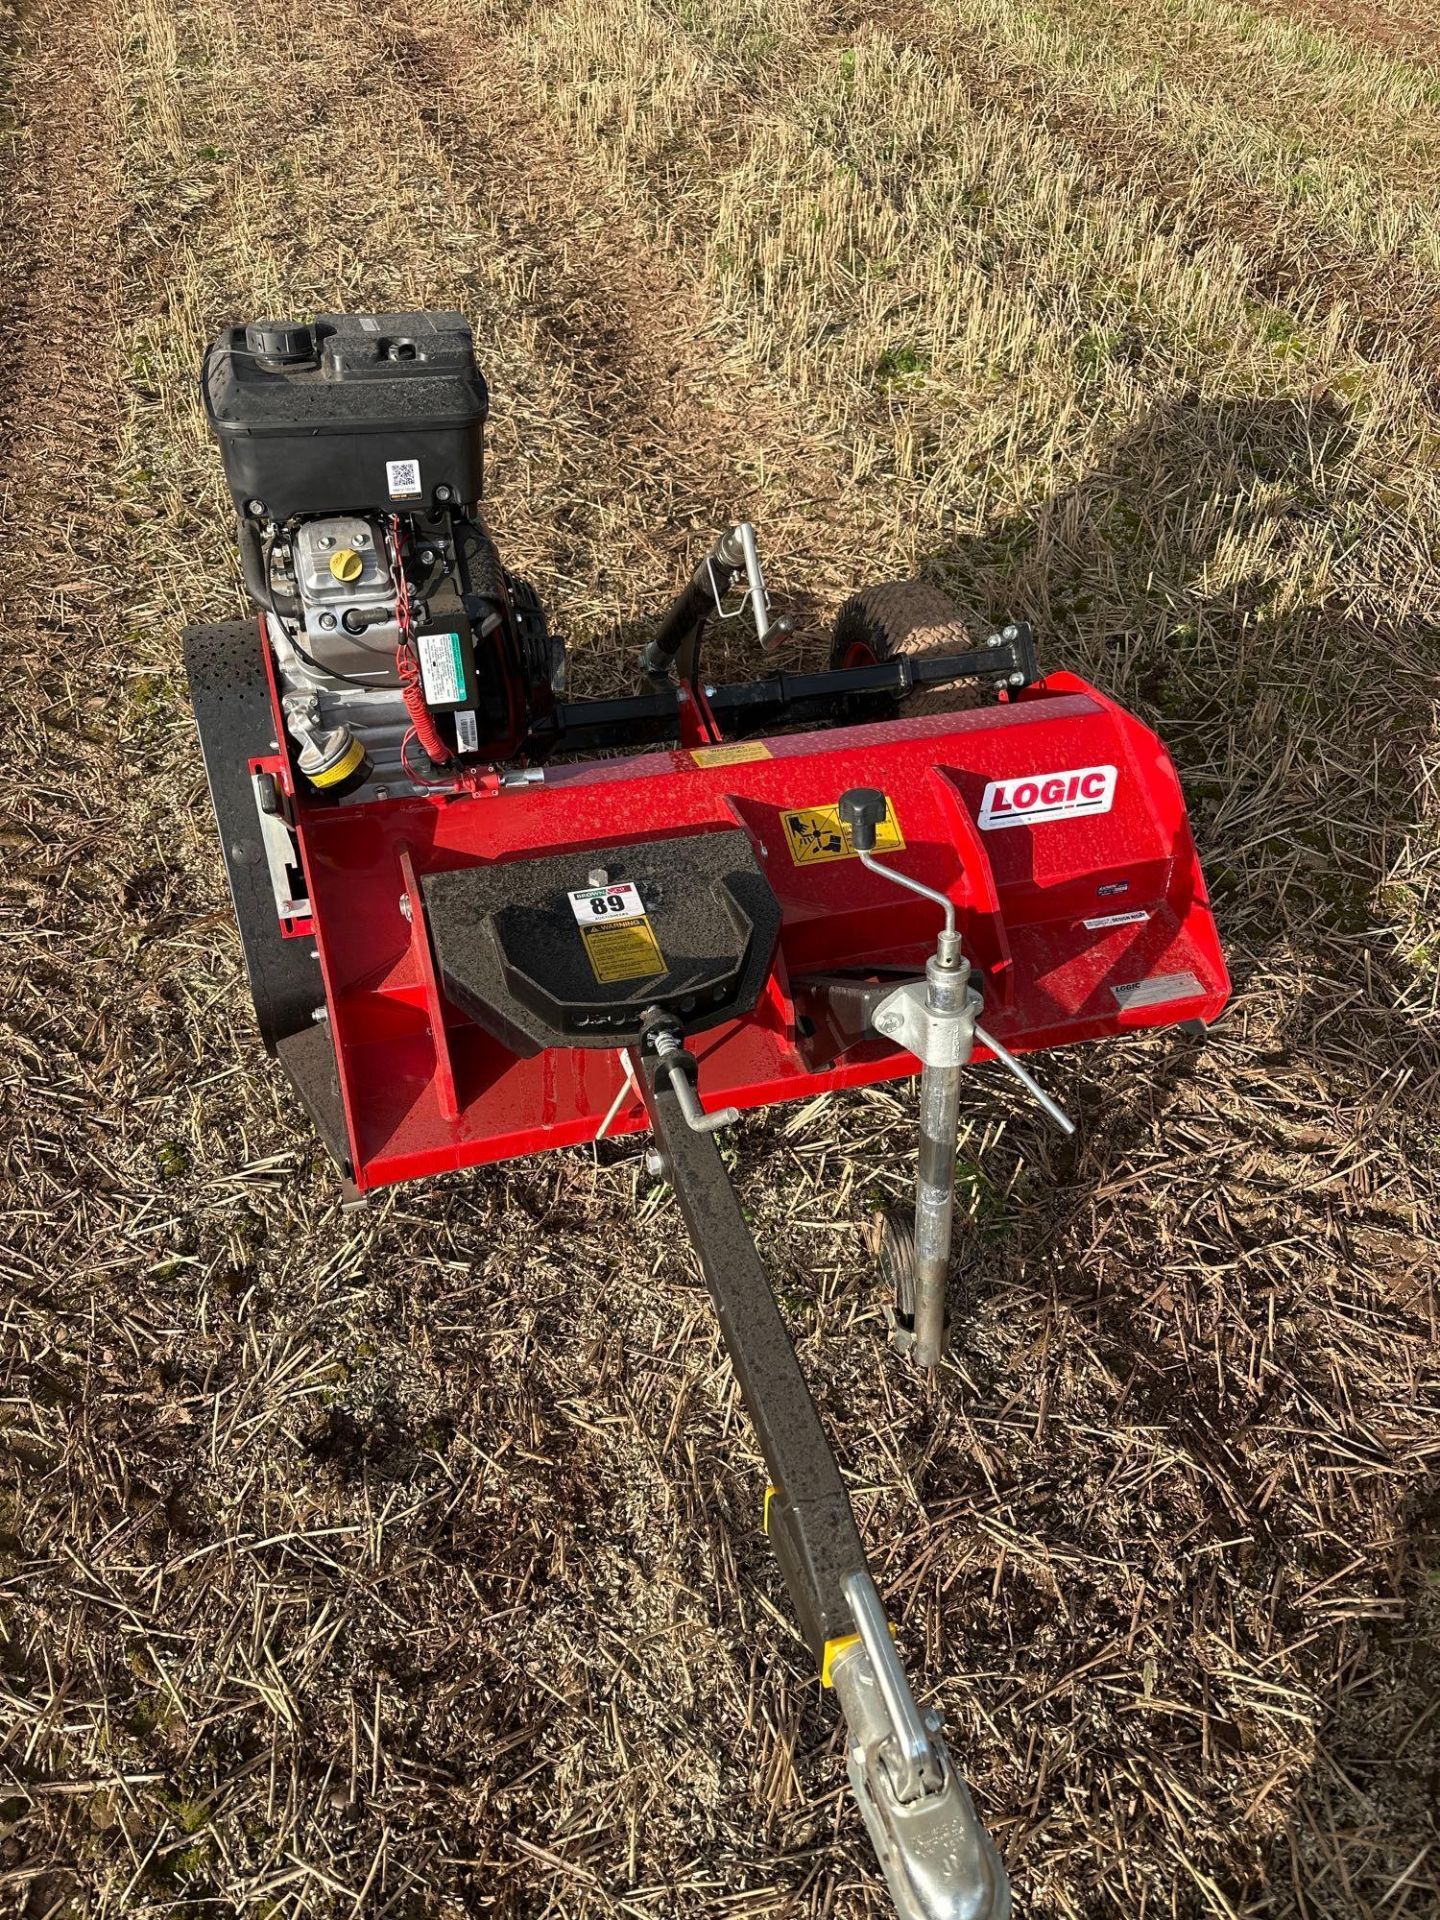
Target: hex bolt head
[(1017, 679), (599, 877), (1010, 633), (656, 1164)]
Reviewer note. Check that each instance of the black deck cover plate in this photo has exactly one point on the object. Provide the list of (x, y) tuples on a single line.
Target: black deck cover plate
[(513, 955)]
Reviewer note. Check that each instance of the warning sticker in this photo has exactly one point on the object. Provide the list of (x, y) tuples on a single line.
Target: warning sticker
[(815, 834), (1131, 919), (622, 950), (621, 901), (732, 755)]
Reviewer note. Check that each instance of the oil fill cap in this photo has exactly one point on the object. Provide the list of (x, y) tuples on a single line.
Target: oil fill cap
[(346, 565)]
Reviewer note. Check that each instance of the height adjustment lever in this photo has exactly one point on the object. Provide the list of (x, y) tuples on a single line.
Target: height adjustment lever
[(939, 1023)]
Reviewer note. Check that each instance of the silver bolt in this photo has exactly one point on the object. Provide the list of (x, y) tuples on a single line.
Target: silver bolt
[(994, 641), (1017, 679), (709, 693), (327, 540), (405, 908), (599, 877), (320, 1013), (327, 621), (655, 1163), (1010, 633)]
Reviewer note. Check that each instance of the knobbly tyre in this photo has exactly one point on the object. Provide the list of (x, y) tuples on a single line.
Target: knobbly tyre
[(468, 939)]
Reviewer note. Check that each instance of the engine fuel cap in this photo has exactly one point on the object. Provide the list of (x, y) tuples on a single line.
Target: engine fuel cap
[(284, 342), (346, 565)]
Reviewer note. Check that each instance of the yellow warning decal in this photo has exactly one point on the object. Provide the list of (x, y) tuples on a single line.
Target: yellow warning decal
[(624, 950), (732, 755), (816, 833)]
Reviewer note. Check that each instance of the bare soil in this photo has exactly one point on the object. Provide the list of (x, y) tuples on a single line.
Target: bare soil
[(408, 1562)]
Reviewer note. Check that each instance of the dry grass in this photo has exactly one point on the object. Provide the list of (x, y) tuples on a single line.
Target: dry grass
[(406, 1563)]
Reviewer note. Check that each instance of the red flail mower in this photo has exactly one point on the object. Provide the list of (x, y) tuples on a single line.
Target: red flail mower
[(481, 918)]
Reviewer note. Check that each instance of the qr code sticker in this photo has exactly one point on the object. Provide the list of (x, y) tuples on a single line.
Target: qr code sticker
[(404, 478)]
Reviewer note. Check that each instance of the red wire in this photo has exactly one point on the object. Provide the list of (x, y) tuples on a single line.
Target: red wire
[(412, 690)]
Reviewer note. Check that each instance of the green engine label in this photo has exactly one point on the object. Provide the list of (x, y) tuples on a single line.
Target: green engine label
[(442, 669)]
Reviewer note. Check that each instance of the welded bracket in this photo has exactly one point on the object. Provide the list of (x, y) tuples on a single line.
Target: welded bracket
[(938, 1037)]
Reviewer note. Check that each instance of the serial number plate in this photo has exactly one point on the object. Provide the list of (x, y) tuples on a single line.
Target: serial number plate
[(604, 906)]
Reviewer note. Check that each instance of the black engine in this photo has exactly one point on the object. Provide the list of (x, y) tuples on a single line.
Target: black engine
[(353, 448)]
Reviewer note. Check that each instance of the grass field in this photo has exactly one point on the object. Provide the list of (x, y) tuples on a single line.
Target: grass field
[(407, 1562)]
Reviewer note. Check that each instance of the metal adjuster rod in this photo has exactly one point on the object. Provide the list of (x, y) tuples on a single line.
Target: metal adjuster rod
[(938, 1861), (938, 1024)]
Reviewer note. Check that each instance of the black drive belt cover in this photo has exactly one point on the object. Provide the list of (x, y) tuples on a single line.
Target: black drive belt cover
[(542, 956)]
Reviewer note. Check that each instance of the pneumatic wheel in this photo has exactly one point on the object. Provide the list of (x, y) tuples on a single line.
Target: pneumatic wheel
[(226, 673), (907, 617)]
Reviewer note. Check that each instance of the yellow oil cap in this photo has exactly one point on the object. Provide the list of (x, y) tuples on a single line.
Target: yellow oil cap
[(346, 565)]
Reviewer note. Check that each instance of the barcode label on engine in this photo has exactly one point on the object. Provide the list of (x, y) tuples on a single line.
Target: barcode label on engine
[(403, 478), (467, 733)]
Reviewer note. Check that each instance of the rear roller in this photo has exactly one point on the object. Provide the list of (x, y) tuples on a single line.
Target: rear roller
[(906, 619)]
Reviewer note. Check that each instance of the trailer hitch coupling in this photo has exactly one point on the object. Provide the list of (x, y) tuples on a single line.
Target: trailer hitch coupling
[(939, 1863)]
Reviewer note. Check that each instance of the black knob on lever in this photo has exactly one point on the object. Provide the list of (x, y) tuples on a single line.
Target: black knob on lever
[(863, 809)]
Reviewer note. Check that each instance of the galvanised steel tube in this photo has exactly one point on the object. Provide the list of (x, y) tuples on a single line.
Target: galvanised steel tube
[(946, 988)]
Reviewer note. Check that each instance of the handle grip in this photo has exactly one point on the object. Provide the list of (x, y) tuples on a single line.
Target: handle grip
[(862, 810)]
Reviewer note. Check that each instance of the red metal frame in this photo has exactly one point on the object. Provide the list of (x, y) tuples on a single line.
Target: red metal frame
[(425, 1090)]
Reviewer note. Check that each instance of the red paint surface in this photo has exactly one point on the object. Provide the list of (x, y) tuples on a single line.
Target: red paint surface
[(1020, 892)]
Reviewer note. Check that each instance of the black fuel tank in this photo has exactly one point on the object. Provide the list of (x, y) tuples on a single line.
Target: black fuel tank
[(353, 413)]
